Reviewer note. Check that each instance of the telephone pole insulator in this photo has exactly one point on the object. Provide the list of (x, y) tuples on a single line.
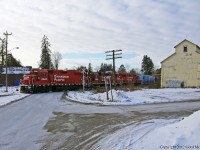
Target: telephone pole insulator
[(114, 55)]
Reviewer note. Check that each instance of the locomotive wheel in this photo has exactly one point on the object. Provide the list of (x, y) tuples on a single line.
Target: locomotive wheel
[(53, 88)]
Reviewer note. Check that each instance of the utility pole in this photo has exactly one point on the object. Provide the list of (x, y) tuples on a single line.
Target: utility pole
[(110, 89), (114, 56), (83, 80), (106, 87), (6, 35)]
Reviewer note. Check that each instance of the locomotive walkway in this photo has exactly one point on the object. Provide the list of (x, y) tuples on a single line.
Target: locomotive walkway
[(49, 121)]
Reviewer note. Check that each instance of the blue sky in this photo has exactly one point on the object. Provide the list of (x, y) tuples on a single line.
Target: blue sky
[(95, 55), (82, 30)]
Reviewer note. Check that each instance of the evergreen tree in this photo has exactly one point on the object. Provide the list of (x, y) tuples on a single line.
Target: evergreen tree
[(2, 52), (147, 65), (102, 69), (80, 67), (45, 58), (12, 62), (122, 69), (105, 67), (133, 71), (90, 71), (90, 67)]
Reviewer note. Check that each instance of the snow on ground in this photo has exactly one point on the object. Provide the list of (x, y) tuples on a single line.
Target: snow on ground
[(153, 134), (156, 134), (137, 97), (13, 94), (150, 135)]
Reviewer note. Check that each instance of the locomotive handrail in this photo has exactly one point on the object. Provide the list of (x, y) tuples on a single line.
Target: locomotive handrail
[(33, 81), (56, 80)]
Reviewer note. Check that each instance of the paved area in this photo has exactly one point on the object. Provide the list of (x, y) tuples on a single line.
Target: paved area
[(49, 121)]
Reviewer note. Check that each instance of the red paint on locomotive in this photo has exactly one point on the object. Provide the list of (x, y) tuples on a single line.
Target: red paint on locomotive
[(45, 80)]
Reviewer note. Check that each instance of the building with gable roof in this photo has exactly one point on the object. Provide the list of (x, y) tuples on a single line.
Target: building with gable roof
[(182, 68)]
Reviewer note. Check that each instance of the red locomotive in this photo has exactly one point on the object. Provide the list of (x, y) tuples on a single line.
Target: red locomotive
[(128, 78), (44, 80)]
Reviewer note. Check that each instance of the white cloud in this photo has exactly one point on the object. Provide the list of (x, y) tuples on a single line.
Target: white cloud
[(148, 27)]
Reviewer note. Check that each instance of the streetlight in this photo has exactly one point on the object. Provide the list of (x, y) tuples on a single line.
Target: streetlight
[(6, 46), (12, 49), (7, 66)]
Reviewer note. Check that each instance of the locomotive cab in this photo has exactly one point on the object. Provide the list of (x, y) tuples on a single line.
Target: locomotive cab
[(35, 78)]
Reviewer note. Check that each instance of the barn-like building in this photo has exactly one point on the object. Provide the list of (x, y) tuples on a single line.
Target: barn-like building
[(182, 68)]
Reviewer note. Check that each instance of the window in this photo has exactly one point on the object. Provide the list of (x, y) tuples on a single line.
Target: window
[(36, 73), (185, 49), (44, 75)]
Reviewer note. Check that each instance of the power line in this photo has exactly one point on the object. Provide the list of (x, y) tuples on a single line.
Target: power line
[(114, 56)]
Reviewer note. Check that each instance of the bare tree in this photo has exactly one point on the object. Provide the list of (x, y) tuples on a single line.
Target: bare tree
[(97, 68), (56, 58), (127, 66)]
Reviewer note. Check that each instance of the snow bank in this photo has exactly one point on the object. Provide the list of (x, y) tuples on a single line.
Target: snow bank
[(11, 90), (136, 97), (182, 135), (13, 94), (156, 134)]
